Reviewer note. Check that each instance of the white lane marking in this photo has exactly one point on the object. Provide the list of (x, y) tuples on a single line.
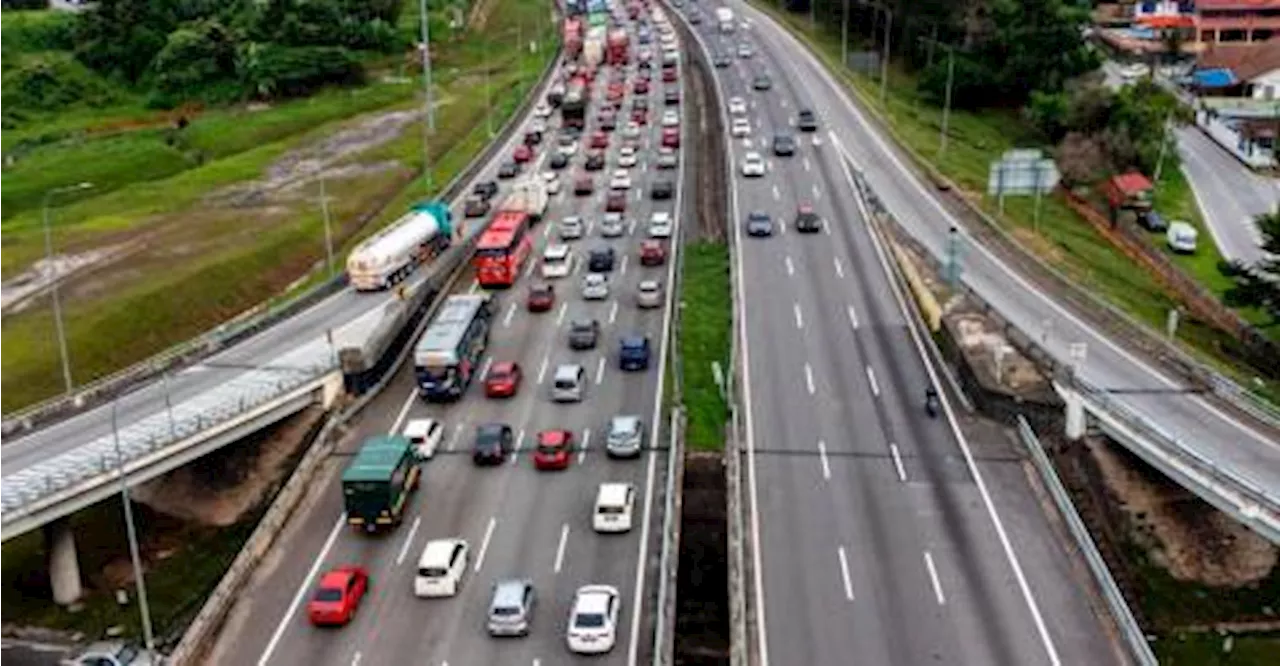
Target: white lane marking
[(600, 371), (511, 311), (782, 226), (542, 370), (613, 312), (404, 411), (808, 378), (799, 317), (303, 589), (355, 659), (783, 102), (586, 442), (631, 227), (839, 268), (408, 540), (933, 576), (564, 538), (897, 462), (532, 265), (777, 194), (639, 195), (853, 317), (822, 456), (453, 441), (746, 143), (564, 307), (475, 286), (484, 543), (546, 232), (622, 270), (590, 223), (484, 369), (807, 166), (844, 573), (817, 192), (871, 377), (515, 455), (791, 269)]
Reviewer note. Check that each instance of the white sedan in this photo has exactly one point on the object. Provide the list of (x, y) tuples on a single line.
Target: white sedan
[(631, 131), (670, 118), (753, 165), (557, 261), (553, 182), (627, 157), (542, 110), (593, 622), (621, 180), (741, 127), (737, 106), (595, 287), (660, 225)]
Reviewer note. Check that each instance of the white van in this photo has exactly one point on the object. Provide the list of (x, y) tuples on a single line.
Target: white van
[(568, 383), (440, 568), (614, 504), (1181, 237)]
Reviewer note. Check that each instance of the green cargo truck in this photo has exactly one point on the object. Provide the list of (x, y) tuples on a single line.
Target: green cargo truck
[(377, 483)]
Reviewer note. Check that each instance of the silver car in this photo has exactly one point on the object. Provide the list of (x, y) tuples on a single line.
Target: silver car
[(511, 610), (595, 287), (613, 226), (649, 294), (571, 228), (626, 435)]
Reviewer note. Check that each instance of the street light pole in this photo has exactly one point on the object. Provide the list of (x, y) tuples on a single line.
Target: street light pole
[(328, 233), (884, 62), (844, 35), (131, 530), (53, 283), (946, 107), (430, 120)]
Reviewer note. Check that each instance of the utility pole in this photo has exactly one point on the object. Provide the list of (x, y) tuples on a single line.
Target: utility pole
[(946, 107), (844, 34), (884, 62), (131, 531), (328, 232), (1164, 145), (430, 112), (60, 330)]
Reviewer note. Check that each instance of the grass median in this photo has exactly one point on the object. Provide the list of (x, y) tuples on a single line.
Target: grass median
[(706, 320)]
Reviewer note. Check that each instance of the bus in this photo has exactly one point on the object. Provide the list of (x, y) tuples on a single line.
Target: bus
[(447, 357), (573, 109), (502, 249)]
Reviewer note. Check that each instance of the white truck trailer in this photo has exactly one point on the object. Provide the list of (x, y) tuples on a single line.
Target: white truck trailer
[(393, 253), (724, 17), (528, 195)]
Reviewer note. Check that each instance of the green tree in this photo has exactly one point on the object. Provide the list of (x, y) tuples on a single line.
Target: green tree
[(1258, 285), (120, 37), (195, 56)]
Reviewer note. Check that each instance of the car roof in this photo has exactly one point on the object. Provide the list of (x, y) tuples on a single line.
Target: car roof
[(649, 284), (490, 428), (583, 323), (336, 578), (553, 437), (503, 366), (568, 370), (634, 341), (594, 277), (416, 426), (556, 250), (602, 250), (594, 599), (437, 551), (626, 422), (509, 591)]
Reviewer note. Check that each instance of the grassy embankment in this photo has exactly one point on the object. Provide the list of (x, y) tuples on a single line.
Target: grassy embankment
[(203, 264), (196, 557), (705, 337), (1061, 238)]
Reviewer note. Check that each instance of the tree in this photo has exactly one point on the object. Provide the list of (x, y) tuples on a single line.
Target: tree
[(194, 57), (120, 37), (1258, 285)]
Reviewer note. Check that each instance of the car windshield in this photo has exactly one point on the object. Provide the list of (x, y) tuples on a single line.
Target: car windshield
[(589, 620), (488, 437), (549, 448), (433, 572), (328, 594), (503, 611)]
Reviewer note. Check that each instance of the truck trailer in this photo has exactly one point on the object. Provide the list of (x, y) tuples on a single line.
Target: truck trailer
[(377, 483), (528, 196), (724, 17), (393, 253), (571, 34)]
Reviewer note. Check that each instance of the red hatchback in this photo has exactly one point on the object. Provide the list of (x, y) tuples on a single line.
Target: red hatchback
[(669, 75), (600, 140), (553, 450), (503, 380), (522, 154), (338, 595), (652, 253), (641, 87), (671, 137), (616, 92), (541, 298), (616, 202)]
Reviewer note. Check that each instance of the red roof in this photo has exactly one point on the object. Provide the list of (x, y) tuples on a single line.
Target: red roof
[(1131, 183)]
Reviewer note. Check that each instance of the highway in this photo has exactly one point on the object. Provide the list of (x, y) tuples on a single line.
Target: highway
[(874, 528), (518, 521)]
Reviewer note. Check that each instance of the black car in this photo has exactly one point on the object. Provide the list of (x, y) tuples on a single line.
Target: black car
[(759, 224), (508, 170), (485, 189), (662, 189), (671, 97), (808, 121), (1151, 221), (583, 334), (559, 161), (600, 260), (721, 60), (493, 442), (532, 138), (784, 145), (640, 104), (475, 207), (762, 82), (595, 160), (609, 123), (807, 221), (695, 19)]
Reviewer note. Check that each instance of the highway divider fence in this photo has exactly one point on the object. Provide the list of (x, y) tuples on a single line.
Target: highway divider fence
[(664, 635), (1134, 638)]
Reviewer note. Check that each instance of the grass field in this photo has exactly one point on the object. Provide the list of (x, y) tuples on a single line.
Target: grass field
[(192, 264), (705, 338), (1060, 237), (1210, 649)]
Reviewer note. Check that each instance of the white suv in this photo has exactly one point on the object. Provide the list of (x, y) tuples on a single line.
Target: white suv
[(593, 622), (557, 261), (660, 225)]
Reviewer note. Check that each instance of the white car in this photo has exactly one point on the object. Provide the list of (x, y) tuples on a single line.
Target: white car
[(595, 287), (542, 110), (670, 118), (553, 182), (645, 54), (631, 131), (571, 228), (621, 180), (612, 225), (737, 106), (668, 158), (557, 261), (568, 146), (649, 294), (538, 125), (660, 225), (741, 127), (753, 165), (627, 157), (425, 434), (593, 622)]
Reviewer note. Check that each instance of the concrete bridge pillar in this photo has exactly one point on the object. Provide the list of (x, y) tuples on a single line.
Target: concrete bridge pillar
[(64, 566), (1075, 419)]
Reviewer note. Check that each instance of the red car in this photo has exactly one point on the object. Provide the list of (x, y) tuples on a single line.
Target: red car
[(640, 116), (669, 76), (522, 154), (652, 253), (554, 447), (600, 140), (641, 87), (671, 137), (616, 202), (616, 92), (584, 187), (503, 380), (338, 595), (541, 298)]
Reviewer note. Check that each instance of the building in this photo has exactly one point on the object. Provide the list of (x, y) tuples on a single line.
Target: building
[(1240, 70), (1231, 21)]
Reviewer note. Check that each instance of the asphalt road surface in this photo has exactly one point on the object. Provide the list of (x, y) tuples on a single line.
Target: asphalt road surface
[(874, 540), (1229, 194), (518, 521)]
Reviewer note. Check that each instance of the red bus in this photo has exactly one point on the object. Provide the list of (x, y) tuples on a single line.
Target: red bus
[(502, 249)]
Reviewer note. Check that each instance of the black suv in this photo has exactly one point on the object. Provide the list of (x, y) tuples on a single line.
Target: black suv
[(662, 189), (784, 145), (508, 170), (485, 189), (476, 206), (583, 334), (807, 122), (595, 160), (600, 260), (807, 221), (493, 442), (559, 161)]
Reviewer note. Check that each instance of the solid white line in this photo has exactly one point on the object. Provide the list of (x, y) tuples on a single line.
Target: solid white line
[(586, 442), (404, 411), (933, 576), (600, 371), (484, 369), (560, 315), (871, 377), (808, 377), (515, 455), (303, 589), (853, 317), (844, 574), (506, 319), (806, 164), (453, 441), (622, 270), (564, 538), (542, 370), (799, 316), (839, 268), (408, 540), (822, 456), (791, 269), (484, 543), (613, 312), (897, 462), (777, 195)]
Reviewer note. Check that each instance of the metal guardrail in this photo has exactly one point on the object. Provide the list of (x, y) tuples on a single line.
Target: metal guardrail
[(669, 562), (1132, 633)]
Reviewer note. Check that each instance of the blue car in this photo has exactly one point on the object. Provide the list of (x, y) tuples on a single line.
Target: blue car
[(633, 353)]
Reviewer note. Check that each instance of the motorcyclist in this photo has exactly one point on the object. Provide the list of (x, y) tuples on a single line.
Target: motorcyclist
[(931, 401)]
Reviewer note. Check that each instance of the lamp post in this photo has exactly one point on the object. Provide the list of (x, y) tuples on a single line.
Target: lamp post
[(884, 61), (132, 533), (328, 232), (53, 283), (430, 112), (844, 35)]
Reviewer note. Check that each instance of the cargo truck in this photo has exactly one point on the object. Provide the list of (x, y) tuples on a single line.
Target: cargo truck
[(574, 109), (377, 483), (593, 47), (528, 196), (618, 52), (571, 34), (393, 253), (724, 17)]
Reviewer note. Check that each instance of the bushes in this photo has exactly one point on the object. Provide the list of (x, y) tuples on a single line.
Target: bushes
[(49, 82)]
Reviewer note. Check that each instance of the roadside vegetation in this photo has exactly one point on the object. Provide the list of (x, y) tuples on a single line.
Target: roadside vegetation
[(1092, 132), (205, 200), (706, 315)]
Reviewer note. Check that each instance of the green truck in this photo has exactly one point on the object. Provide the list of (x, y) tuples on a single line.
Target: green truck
[(377, 483)]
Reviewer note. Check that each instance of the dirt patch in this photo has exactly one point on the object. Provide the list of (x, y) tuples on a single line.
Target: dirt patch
[(702, 587), (17, 294)]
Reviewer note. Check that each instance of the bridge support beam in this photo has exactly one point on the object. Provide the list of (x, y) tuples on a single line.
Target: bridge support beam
[(64, 565), (1075, 420)]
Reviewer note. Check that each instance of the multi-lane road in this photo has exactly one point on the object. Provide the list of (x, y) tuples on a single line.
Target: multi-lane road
[(879, 535), (519, 522)]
